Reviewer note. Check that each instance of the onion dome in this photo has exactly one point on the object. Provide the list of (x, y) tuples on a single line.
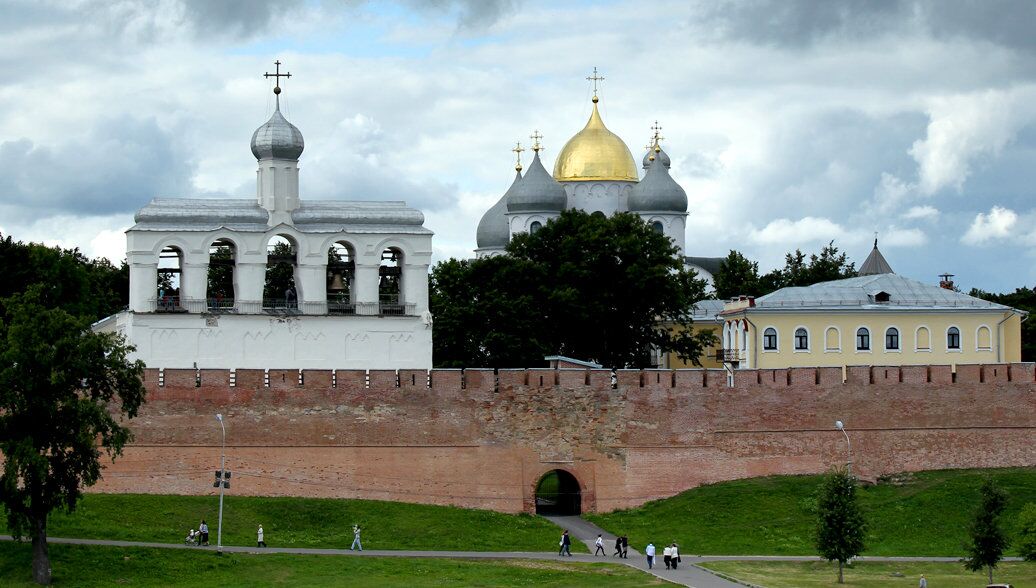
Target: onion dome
[(278, 138), (661, 156), (537, 192), (492, 229), (595, 153), (658, 191)]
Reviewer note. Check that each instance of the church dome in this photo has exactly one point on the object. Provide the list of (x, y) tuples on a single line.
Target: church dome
[(595, 153), (492, 229), (661, 156), (277, 139), (537, 192), (658, 191)]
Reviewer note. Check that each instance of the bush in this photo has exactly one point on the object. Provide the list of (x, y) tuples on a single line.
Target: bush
[(1027, 532)]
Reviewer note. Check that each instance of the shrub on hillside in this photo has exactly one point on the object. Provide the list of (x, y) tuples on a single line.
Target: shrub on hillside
[(1027, 532)]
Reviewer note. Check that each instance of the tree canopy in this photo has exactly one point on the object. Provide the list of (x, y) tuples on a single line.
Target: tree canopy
[(60, 384), (603, 289), (739, 275), (988, 540), (840, 524)]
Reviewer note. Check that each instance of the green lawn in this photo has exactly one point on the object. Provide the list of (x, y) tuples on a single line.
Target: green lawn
[(102, 567), (870, 574), (306, 522), (927, 515)]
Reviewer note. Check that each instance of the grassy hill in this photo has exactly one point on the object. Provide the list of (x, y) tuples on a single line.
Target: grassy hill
[(920, 514), (305, 522)]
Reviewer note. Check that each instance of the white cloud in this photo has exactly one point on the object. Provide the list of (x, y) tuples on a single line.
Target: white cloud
[(997, 224), (921, 212), (785, 231)]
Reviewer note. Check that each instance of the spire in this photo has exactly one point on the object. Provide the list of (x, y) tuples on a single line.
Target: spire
[(278, 138), (875, 263)]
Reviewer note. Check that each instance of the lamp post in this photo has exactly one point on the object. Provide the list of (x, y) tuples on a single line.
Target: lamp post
[(848, 447), (222, 482)]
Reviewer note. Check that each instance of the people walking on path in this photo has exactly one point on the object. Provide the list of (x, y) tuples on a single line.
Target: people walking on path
[(667, 555), (204, 530), (650, 553), (923, 583), (260, 541), (600, 546), (618, 547), (625, 547), (356, 539), (566, 545), (675, 555)]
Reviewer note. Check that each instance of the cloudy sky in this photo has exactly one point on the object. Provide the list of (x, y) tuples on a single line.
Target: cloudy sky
[(790, 123)]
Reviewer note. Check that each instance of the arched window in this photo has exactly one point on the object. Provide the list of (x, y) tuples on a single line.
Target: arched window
[(279, 292), (219, 290), (924, 339), (658, 227), (535, 227), (832, 339), (801, 339), (953, 338), (983, 339), (770, 339), (863, 339), (341, 269), (170, 270), (390, 286), (892, 339)]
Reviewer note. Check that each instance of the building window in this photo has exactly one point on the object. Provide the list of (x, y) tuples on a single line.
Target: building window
[(832, 339), (657, 226), (924, 339), (984, 339), (535, 227), (801, 339), (953, 338), (863, 339), (892, 339), (770, 339)]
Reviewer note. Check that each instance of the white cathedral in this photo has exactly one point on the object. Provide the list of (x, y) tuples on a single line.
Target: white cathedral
[(595, 172), (277, 281)]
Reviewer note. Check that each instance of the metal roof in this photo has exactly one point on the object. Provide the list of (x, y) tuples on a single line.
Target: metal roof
[(875, 263)]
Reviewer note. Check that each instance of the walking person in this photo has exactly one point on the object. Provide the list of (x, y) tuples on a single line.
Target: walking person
[(566, 545), (923, 583), (356, 539), (625, 547), (667, 555), (600, 546), (675, 555), (618, 547), (204, 530), (650, 553), (260, 542)]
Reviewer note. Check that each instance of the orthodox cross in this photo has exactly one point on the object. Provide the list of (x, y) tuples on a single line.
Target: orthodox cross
[(657, 128), (595, 78), (536, 136), (277, 77), (518, 153)]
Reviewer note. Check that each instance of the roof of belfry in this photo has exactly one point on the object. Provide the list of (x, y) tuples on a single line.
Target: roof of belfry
[(875, 263)]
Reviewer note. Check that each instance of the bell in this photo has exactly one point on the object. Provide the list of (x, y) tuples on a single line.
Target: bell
[(337, 284)]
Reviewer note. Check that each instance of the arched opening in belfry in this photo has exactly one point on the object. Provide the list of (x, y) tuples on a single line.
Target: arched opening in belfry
[(558, 493), (170, 271), (390, 282), (279, 292), (220, 288), (341, 267)]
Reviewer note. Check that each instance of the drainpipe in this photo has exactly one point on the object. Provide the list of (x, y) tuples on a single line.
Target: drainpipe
[(999, 343)]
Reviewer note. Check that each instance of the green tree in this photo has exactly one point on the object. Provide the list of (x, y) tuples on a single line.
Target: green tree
[(1027, 532), (840, 523), (737, 275), (797, 271), (604, 289), (1022, 299), (60, 384), (988, 540), (280, 272), (221, 273)]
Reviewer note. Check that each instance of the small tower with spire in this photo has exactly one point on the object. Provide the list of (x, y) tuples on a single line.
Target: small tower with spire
[(277, 146)]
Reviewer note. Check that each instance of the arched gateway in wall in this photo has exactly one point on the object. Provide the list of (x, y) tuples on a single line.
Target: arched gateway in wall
[(558, 493)]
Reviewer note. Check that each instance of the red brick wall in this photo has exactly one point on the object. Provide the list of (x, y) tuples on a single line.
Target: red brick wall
[(475, 438)]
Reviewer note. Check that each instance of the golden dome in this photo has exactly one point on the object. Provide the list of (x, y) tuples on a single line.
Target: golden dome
[(595, 153)]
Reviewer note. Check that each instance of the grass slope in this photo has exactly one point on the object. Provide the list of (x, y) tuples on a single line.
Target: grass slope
[(870, 574), (89, 566), (305, 522), (926, 516)]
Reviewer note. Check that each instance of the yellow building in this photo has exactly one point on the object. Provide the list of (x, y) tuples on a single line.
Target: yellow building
[(706, 316), (877, 318)]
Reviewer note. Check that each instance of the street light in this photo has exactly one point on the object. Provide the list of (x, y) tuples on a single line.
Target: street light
[(223, 481), (848, 447)]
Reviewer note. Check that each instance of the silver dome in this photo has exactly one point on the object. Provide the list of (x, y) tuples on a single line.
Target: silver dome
[(277, 139), (662, 156), (492, 229), (658, 191), (537, 192)]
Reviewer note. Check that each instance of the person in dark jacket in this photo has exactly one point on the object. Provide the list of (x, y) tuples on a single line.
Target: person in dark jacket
[(625, 547), (566, 544), (618, 547)]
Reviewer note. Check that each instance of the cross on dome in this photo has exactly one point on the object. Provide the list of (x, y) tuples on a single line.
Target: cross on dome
[(595, 78), (277, 77), (536, 136), (518, 154)]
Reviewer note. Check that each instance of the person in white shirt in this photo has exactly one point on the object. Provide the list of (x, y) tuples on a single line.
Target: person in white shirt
[(667, 555), (600, 546), (923, 583), (260, 542), (356, 539), (650, 553), (675, 555)]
